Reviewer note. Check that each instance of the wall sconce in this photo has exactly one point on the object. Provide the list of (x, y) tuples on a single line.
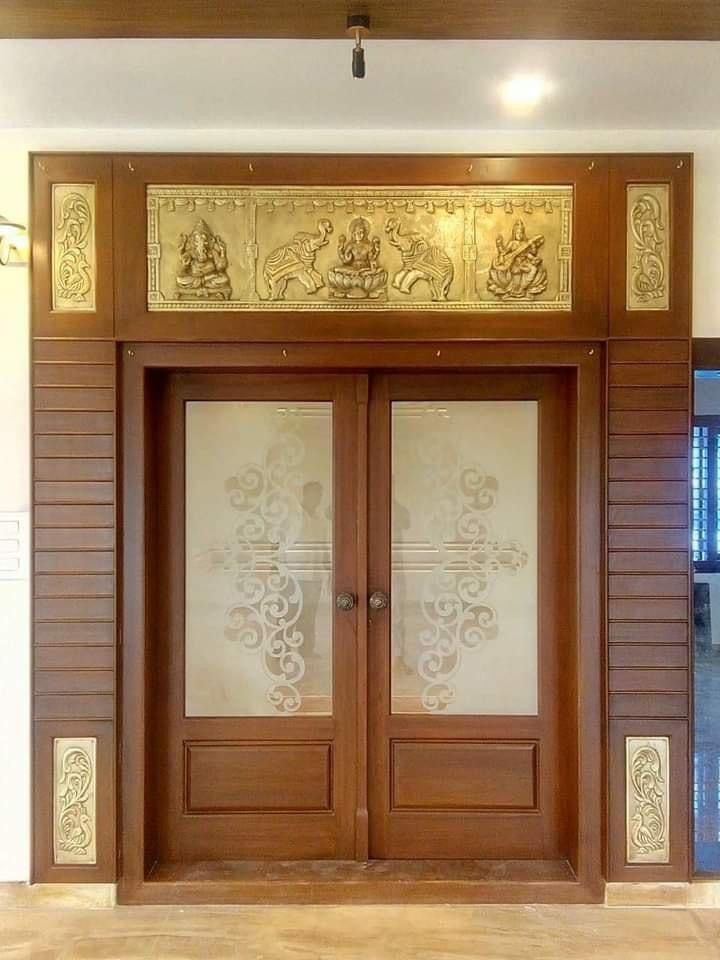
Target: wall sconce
[(14, 243)]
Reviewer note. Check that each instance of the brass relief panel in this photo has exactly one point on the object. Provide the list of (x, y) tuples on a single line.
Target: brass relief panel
[(648, 232), (647, 786), (73, 247), (74, 806), (238, 248)]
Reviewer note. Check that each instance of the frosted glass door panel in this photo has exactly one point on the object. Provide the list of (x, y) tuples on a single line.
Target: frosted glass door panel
[(464, 557), (258, 625)]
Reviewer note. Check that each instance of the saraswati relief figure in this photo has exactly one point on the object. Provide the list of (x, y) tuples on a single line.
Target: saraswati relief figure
[(421, 259), (202, 274), (517, 272), (296, 261), (358, 276)]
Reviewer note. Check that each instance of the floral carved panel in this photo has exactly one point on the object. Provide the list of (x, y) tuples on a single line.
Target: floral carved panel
[(75, 814), (73, 247), (648, 251), (647, 785), (236, 248)]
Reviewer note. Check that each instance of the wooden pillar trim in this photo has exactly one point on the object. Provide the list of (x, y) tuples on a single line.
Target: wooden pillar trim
[(74, 407)]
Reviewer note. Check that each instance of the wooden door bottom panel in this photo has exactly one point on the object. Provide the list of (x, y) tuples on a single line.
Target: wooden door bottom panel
[(472, 835), (377, 881), (277, 835)]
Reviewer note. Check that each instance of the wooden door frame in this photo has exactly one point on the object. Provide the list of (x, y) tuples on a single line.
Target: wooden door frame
[(586, 362)]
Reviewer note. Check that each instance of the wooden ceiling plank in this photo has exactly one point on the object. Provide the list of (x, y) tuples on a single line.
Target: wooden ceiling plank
[(390, 19)]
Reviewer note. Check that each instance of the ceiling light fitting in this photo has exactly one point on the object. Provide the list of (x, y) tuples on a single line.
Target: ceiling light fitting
[(358, 26)]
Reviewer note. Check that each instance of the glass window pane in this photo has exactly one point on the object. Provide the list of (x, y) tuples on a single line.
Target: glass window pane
[(258, 632), (464, 557)]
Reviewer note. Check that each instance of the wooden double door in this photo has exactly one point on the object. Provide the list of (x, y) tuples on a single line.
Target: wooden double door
[(364, 643)]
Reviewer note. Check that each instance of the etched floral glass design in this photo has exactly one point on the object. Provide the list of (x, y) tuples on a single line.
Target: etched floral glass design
[(464, 557), (258, 558)]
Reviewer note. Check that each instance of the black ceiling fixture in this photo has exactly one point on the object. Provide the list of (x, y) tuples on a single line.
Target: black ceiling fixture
[(358, 26)]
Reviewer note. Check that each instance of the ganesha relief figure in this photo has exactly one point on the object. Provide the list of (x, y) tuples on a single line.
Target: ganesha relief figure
[(358, 275), (517, 272), (202, 274), (295, 260), (422, 260)]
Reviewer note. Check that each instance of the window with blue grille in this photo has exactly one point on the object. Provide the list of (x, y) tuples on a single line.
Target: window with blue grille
[(705, 488)]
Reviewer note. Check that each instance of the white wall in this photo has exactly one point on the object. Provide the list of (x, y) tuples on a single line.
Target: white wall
[(14, 318)]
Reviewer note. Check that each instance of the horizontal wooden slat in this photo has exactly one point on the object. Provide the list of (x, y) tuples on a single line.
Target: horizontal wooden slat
[(74, 585), (73, 398), (652, 680), (648, 655), (648, 468), (74, 469), (74, 634), (648, 446), (74, 657), (643, 561), (648, 421), (91, 538), (74, 681), (648, 351), (73, 375), (629, 585), (75, 561), (74, 515), (640, 705), (74, 351), (74, 608), (648, 631), (648, 515), (648, 398), (647, 491), (649, 375), (664, 608), (74, 706), (55, 491), (57, 445), (637, 538), (74, 421)]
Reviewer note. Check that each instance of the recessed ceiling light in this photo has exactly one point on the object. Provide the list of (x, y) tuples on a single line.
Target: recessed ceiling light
[(524, 91)]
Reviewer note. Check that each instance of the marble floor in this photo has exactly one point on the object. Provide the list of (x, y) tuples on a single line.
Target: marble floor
[(361, 933), (706, 793)]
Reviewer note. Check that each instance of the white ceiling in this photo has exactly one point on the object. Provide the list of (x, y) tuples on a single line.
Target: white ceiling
[(410, 85)]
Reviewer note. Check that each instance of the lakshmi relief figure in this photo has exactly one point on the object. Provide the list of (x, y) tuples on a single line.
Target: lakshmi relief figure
[(358, 275), (202, 273), (422, 260), (517, 272)]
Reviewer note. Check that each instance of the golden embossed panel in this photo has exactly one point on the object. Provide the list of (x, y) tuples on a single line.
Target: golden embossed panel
[(647, 785), (237, 248), (73, 247), (648, 238), (74, 813)]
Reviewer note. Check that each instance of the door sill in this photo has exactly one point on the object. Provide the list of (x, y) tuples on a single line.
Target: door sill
[(377, 881)]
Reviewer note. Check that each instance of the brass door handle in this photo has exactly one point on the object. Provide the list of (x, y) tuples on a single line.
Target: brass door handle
[(379, 600), (345, 601)]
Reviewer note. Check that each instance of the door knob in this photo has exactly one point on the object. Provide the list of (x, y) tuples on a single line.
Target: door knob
[(345, 601), (379, 600)]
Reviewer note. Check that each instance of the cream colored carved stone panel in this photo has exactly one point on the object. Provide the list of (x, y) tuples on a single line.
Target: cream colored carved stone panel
[(648, 250), (237, 248), (647, 786), (73, 247), (75, 814)]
